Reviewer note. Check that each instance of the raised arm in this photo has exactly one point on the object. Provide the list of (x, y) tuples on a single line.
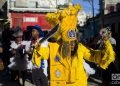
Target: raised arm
[(42, 50), (101, 57)]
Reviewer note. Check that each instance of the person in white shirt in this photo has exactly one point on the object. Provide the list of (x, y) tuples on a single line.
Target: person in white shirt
[(19, 61)]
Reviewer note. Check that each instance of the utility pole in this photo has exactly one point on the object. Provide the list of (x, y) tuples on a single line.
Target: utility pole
[(93, 12), (92, 2), (102, 2)]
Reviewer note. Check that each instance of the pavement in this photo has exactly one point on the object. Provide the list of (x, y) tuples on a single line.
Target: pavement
[(5, 81), (92, 81)]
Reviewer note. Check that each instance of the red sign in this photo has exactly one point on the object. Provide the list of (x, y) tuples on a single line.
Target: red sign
[(28, 19)]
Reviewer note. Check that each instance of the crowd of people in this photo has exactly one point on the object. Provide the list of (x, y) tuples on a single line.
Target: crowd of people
[(61, 60)]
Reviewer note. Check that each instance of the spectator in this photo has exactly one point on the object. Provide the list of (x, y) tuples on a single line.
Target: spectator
[(1, 61), (113, 67), (6, 38), (40, 64), (19, 61)]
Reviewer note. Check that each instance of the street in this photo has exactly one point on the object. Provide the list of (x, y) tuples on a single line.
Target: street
[(5, 81)]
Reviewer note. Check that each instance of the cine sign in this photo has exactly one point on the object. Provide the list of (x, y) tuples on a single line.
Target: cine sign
[(30, 19)]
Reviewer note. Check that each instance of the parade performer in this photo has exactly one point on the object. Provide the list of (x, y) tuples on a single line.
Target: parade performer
[(39, 71), (67, 55), (114, 66)]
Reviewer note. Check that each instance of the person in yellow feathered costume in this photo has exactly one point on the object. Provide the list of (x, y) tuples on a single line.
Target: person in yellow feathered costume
[(67, 55)]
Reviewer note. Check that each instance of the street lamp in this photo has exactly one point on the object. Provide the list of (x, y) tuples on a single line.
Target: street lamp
[(92, 4)]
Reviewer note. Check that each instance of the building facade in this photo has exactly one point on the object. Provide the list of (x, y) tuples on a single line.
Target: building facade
[(3, 15), (36, 5), (111, 6), (24, 13), (110, 14)]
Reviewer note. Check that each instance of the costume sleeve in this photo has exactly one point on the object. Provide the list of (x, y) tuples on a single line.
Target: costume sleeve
[(43, 50), (101, 57), (40, 52)]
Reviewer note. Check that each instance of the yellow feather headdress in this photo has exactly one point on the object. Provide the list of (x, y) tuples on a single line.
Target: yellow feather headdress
[(67, 19)]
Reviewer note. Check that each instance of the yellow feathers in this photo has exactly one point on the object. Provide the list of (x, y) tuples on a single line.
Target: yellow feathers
[(109, 55), (67, 19), (53, 18)]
